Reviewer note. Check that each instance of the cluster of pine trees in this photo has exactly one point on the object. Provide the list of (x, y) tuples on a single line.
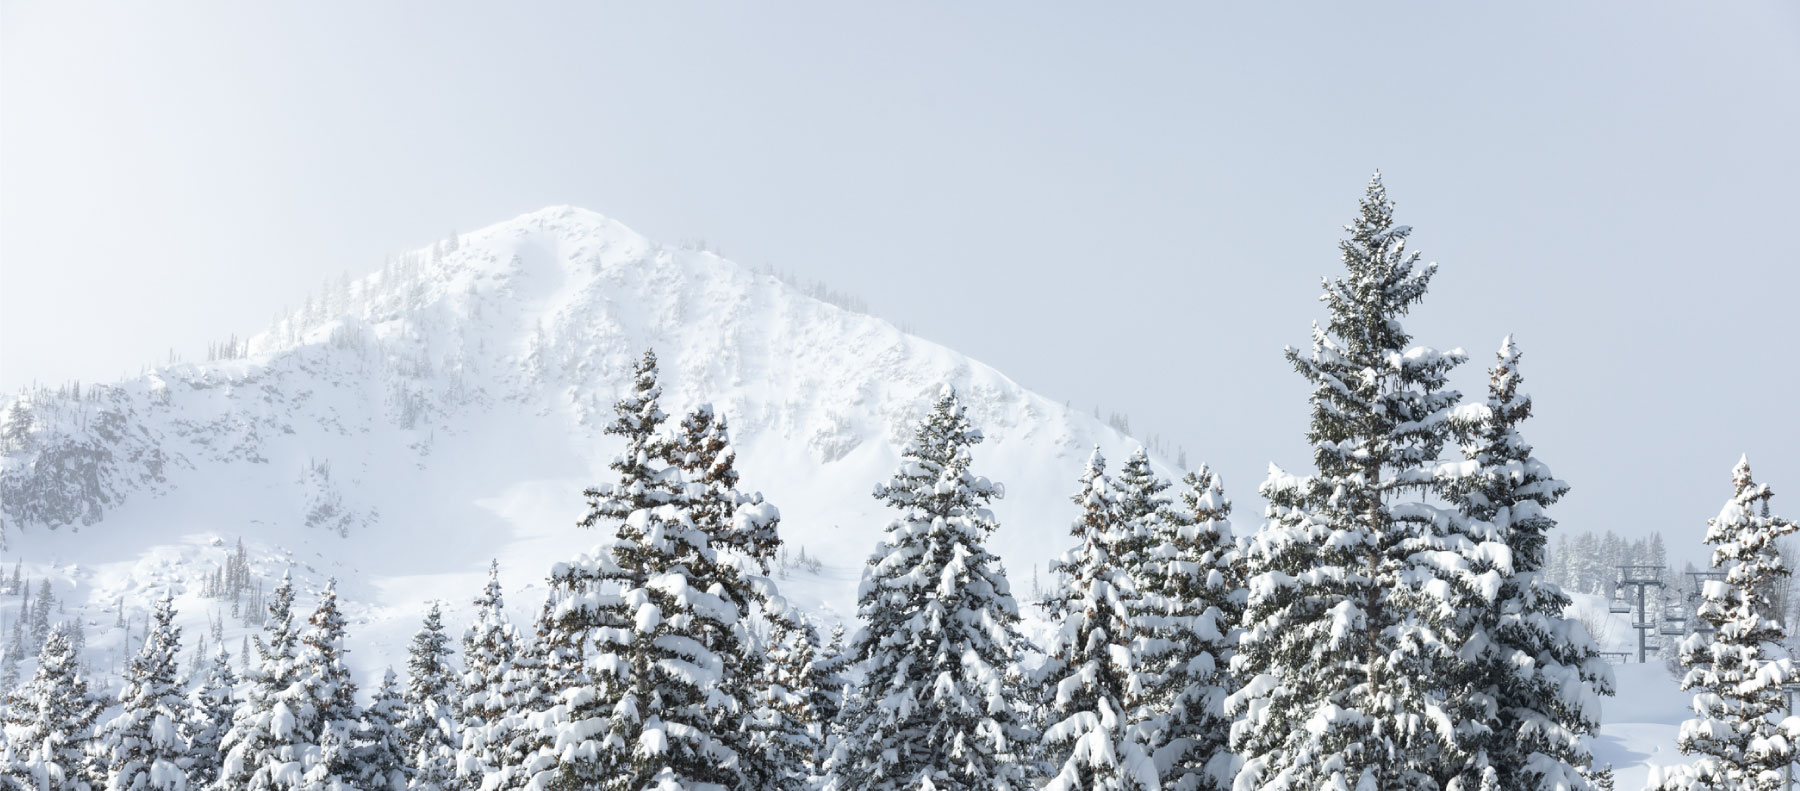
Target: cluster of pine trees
[(1392, 625)]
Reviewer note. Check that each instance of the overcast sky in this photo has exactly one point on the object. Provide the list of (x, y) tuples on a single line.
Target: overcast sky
[(1129, 209)]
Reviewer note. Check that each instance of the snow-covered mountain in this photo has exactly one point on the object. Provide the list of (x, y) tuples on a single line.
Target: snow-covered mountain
[(401, 429)]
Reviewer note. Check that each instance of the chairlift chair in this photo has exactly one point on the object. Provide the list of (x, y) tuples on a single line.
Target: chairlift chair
[(1619, 605)]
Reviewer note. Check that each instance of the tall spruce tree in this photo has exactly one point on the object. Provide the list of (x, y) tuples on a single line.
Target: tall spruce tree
[(263, 749), (642, 630), (936, 705), (381, 754), (742, 532), (50, 723), (1090, 680), (784, 729), (211, 707), (1358, 579), (1540, 668), (428, 723), (1191, 598), (41, 610), (327, 713), (1738, 735), (485, 691), (143, 748)]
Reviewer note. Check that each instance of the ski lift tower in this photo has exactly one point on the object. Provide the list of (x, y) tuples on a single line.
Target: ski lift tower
[(1643, 578)]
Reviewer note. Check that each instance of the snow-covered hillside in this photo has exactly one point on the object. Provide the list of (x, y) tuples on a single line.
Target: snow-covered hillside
[(402, 429)]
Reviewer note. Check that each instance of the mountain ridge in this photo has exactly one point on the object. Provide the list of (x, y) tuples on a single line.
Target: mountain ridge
[(403, 428)]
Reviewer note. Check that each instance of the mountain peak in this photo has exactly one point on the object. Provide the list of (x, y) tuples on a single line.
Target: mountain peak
[(456, 398)]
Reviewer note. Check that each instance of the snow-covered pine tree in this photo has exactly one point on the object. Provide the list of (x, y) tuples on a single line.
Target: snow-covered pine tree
[(1191, 598), (936, 704), (1089, 679), (428, 722), (828, 695), (41, 609), (703, 452), (642, 481), (517, 753), (264, 748), (829, 664), (210, 708), (9, 667), (381, 760), (485, 691), (641, 630), (1351, 572), (327, 713), (1541, 669), (742, 532), (49, 723), (143, 747), (588, 631), (1738, 737), (784, 735)]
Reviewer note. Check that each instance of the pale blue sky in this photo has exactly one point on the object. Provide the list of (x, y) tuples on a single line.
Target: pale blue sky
[(1123, 207)]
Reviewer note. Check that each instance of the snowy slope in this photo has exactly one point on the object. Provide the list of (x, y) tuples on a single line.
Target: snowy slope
[(402, 429)]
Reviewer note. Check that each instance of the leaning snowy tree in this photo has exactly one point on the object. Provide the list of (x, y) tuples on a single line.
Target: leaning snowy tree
[(1541, 669), (1358, 579), (936, 703), (49, 723), (1191, 597), (1738, 735), (143, 748), (1090, 679)]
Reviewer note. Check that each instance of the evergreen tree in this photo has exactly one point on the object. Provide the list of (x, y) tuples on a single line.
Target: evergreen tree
[(486, 691), (703, 452), (936, 704), (1357, 570), (381, 755), (210, 709), (266, 746), (643, 630), (784, 729), (41, 609), (1192, 599), (1541, 669), (9, 667), (742, 532), (828, 685), (1090, 678), (642, 483), (429, 725), (143, 748), (327, 711), (49, 724), (1738, 736)]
